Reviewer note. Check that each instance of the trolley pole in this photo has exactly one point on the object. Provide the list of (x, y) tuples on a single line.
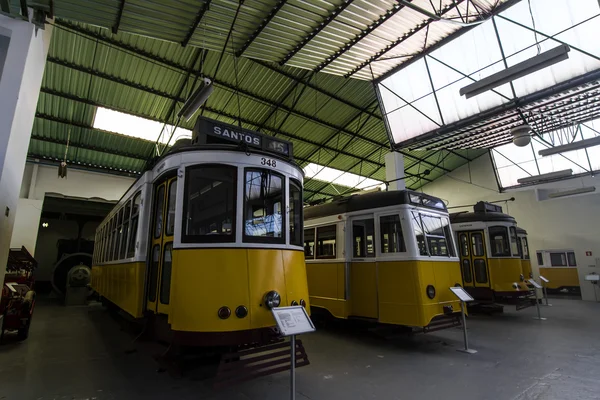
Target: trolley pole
[(293, 367)]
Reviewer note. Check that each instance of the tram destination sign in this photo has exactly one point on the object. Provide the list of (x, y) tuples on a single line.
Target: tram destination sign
[(209, 131)]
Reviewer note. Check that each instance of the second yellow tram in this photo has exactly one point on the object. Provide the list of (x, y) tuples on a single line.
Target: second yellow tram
[(387, 257), (490, 259)]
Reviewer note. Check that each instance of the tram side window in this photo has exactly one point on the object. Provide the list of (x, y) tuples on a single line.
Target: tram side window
[(309, 243), (392, 240), (135, 217), (159, 203), (363, 237), (116, 234), (263, 206), (126, 224), (295, 215), (326, 241), (209, 204), (513, 241), (499, 241), (571, 259), (171, 208), (558, 259), (525, 245), (540, 258)]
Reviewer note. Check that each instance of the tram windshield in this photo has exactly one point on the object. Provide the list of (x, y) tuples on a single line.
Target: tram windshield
[(209, 207), (499, 241), (433, 235), (263, 204)]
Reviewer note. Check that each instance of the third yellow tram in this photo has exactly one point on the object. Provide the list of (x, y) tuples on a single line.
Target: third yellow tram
[(385, 257), (490, 256)]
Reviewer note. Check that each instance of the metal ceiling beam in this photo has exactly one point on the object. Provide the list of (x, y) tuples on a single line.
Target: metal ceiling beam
[(231, 87), (115, 27), (35, 158), (214, 111), (203, 9), (260, 28), (402, 39), (310, 85), (374, 25), (156, 58), (322, 25), (83, 145), (444, 41)]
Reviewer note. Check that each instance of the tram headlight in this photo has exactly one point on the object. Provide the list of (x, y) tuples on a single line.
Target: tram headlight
[(241, 311), (522, 278), (272, 299), (303, 303), (224, 312), (430, 291), (294, 303), (515, 285)]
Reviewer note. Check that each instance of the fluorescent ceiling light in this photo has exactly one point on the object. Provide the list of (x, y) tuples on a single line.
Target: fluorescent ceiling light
[(337, 177), (581, 144), (197, 99), (586, 189), (138, 127), (544, 177), (517, 71)]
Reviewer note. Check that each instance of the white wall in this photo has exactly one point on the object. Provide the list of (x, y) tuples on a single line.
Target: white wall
[(19, 90), (571, 222)]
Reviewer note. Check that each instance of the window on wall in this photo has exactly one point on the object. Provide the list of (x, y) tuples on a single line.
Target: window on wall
[(558, 259), (263, 206), (499, 241), (309, 243), (210, 204), (326, 241), (571, 259), (363, 238), (295, 214), (391, 237), (135, 217)]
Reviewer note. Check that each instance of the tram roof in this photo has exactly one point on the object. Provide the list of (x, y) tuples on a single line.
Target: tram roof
[(469, 216), (374, 200)]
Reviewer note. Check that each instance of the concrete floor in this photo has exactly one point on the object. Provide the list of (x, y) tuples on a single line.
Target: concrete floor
[(80, 353)]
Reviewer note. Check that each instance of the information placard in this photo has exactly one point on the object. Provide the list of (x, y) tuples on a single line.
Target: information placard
[(544, 279), (292, 320), (535, 284), (592, 277), (461, 294)]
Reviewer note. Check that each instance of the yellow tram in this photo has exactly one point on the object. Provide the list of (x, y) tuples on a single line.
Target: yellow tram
[(491, 264), (560, 268), (387, 257), (207, 241)]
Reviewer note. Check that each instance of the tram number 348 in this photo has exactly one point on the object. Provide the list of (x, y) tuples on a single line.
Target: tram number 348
[(268, 161)]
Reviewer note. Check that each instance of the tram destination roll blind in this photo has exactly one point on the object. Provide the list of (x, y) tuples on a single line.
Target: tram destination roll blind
[(208, 131)]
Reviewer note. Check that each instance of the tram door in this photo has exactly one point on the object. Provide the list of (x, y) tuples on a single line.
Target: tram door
[(163, 227), (363, 269), (473, 259)]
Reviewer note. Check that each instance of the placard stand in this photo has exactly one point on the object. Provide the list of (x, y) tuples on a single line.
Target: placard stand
[(545, 290), (292, 321), (464, 298), (593, 278), (537, 300)]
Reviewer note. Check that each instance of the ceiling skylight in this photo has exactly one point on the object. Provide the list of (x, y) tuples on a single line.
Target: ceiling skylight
[(138, 127), (326, 174)]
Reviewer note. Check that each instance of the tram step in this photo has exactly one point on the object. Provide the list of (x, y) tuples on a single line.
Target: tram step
[(248, 364), (443, 322)]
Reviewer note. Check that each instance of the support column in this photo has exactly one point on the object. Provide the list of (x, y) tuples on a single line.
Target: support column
[(28, 213), (394, 171), (23, 51)]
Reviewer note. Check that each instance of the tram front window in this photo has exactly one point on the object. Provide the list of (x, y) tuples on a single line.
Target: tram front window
[(295, 214), (525, 245), (209, 204), (263, 204), (513, 241), (437, 232), (499, 241)]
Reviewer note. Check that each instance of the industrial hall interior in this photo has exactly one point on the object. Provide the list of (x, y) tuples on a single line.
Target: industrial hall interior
[(299, 199)]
